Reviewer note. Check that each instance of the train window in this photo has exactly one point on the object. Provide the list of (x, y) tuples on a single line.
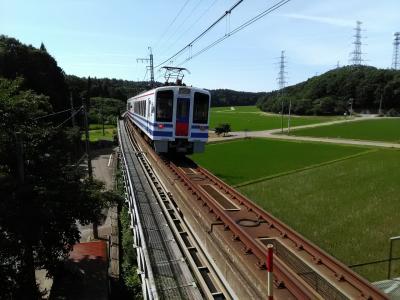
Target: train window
[(200, 108), (164, 105)]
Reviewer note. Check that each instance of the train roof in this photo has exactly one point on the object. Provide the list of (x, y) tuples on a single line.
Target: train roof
[(152, 91)]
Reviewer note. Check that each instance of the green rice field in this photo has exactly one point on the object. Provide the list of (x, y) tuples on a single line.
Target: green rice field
[(250, 118), (238, 162), (345, 199), (387, 130)]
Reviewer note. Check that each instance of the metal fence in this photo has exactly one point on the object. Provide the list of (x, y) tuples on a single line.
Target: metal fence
[(309, 275)]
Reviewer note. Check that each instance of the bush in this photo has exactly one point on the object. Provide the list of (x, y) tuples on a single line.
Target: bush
[(222, 129)]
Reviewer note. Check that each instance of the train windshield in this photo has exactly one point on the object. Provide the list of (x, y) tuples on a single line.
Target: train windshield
[(200, 108), (164, 104)]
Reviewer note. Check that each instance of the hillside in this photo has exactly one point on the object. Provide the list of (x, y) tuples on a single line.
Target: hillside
[(42, 74), (329, 93)]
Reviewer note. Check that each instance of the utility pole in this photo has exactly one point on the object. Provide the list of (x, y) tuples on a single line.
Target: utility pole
[(282, 82), (151, 66), (396, 58), (72, 109), (290, 107), (356, 59), (380, 104), (87, 143), (29, 278), (102, 117)]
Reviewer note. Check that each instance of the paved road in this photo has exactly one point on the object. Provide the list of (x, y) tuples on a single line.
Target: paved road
[(102, 171), (274, 134)]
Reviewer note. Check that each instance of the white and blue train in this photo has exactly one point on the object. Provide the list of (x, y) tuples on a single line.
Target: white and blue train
[(174, 118)]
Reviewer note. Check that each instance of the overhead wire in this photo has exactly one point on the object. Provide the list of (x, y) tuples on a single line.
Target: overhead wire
[(181, 25), (194, 23), (237, 29), (69, 118), (170, 24), (201, 34), (52, 114)]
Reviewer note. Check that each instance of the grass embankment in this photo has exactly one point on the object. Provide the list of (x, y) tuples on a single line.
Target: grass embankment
[(250, 118), (96, 132), (344, 199), (387, 130)]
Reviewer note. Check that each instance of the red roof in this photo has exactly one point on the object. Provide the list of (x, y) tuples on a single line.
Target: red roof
[(89, 250)]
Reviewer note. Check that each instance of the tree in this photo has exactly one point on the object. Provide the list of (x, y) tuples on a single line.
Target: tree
[(42, 193), (224, 129)]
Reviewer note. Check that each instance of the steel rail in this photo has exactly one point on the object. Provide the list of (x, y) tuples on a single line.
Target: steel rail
[(341, 271)]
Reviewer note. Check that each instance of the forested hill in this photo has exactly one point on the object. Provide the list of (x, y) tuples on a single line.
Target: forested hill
[(331, 92), (224, 97), (42, 75), (123, 89)]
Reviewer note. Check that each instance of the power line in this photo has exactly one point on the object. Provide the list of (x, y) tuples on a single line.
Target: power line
[(201, 34), (69, 118), (172, 22), (237, 29), (52, 114), (195, 22), (181, 25)]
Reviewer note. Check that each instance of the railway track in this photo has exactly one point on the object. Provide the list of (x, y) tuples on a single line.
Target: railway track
[(300, 267), (173, 281)]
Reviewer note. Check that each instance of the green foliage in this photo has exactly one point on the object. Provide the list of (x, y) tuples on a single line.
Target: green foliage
[(106, 109), (225, 97), (223, 128), (38, 213), (328, 94), (376, 130), (129, 274), (39, 70)]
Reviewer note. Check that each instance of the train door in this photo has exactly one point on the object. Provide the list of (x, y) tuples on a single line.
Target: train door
[(182, 117)]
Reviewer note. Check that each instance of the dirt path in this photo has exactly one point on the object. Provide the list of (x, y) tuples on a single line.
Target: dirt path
[(274, 134)]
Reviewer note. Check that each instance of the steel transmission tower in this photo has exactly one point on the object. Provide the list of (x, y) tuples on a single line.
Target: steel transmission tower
[(395, 59), (282, 82), (282, 73), (151, 66), (356, 53)]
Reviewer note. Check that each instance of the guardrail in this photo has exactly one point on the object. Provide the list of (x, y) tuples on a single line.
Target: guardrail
[(144, 266)]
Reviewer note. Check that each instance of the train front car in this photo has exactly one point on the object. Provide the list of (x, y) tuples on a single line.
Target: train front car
[(174, 118)]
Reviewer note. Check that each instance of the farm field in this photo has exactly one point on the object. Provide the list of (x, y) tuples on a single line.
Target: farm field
[(238, 162), (350, 208), (387, 130), (345, 199), (251, 118)]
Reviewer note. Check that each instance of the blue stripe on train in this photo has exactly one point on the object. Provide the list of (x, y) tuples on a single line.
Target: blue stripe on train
[(199, 135), (153, 133)]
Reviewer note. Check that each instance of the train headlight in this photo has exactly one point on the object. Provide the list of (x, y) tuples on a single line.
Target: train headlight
[(161, 126), (202, 128)]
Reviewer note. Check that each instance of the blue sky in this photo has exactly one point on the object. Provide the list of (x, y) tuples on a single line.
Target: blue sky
[(101, 38)]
